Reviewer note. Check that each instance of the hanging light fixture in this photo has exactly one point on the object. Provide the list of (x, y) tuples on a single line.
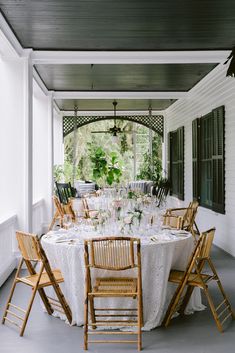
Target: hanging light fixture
[(115, 129)]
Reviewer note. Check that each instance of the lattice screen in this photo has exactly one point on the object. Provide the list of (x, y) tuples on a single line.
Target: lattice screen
[(154, 122)]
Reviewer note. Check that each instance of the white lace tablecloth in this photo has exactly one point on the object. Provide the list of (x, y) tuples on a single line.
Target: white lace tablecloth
[(159, 255)]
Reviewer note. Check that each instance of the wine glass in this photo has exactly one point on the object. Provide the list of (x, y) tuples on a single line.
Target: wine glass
[(67, 221)]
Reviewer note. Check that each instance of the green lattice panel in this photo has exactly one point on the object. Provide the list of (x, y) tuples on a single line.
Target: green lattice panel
[(154, 122)]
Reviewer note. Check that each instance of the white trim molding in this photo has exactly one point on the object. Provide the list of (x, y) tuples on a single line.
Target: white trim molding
[(110, 112), (40, 82), (117, 95), (6, 33), (129, 57)]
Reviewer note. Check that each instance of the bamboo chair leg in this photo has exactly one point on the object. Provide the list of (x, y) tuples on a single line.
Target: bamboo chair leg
[(52, 224), (32, 297), (12, 290), (40, 290), (173, 304), (29, 309), (92, 311), (219, 284), (86, 323), (186, 299), (62, 301), (213, 310), (45, 301), (140, 322), (55, 217)]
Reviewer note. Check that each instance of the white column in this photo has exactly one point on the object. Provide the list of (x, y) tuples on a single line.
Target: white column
[(28, 140), (151, 150), (164, 150), (51, 150), (134, 150)]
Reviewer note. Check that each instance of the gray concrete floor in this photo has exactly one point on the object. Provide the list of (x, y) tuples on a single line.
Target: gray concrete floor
[(195, 333)]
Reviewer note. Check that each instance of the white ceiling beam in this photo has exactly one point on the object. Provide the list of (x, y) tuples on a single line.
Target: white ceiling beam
[(11, 46), (40, 83), (110, 112), (117, 95), (129, 57), (56, 107)]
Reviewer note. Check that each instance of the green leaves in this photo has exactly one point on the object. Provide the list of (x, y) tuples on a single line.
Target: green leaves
[(99, 163), (114, 171), (111, 171)]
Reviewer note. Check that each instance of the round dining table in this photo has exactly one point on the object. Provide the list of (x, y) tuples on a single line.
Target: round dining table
[(160, 253)]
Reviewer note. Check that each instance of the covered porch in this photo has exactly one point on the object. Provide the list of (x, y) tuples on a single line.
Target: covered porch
[(177, 88)]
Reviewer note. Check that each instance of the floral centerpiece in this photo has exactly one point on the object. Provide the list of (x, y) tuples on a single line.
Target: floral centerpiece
[(134, 194), (117, 204)]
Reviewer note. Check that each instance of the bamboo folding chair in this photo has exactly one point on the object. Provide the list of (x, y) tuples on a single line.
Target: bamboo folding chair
[(60, 211), (187, 221), (173, 221), (196, 276), (32, 251), (113, 254), (88, 212)]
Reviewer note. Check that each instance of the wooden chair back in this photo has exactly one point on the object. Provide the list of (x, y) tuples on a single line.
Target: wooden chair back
[(113, 253), (161, 191), (201, 252), (172, 221), (59, 207), (65, 192), (86, 207), (206, 244), (190, 215), (28, 246)]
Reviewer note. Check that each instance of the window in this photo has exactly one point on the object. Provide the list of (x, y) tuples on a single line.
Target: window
[(176, 162), (208, 160)]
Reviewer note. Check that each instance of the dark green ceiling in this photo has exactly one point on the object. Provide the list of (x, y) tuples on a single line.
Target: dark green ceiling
[(122, 24), (106, 104), (171, 77)]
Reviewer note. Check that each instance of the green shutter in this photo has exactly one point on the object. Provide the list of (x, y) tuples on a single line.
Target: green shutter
[(176, 162), (196, 158), (169, 159), (218, 161), (206, 146), (180, 143)]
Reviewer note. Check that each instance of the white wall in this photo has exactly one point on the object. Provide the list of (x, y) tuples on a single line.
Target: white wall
[(12, 134), (213, 91)]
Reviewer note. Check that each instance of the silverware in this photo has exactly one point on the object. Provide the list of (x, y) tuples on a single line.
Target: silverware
[(66, 241)]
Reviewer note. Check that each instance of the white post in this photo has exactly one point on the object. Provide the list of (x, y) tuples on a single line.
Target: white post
[(74, 144), (134, 150), (51, 150), (151, 150), (28, 139), (164, 151)]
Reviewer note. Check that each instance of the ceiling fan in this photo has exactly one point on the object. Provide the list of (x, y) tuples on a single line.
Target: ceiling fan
[(115, 129)]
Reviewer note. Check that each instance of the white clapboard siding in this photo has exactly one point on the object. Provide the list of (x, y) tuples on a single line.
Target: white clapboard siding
[(213, 91)]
